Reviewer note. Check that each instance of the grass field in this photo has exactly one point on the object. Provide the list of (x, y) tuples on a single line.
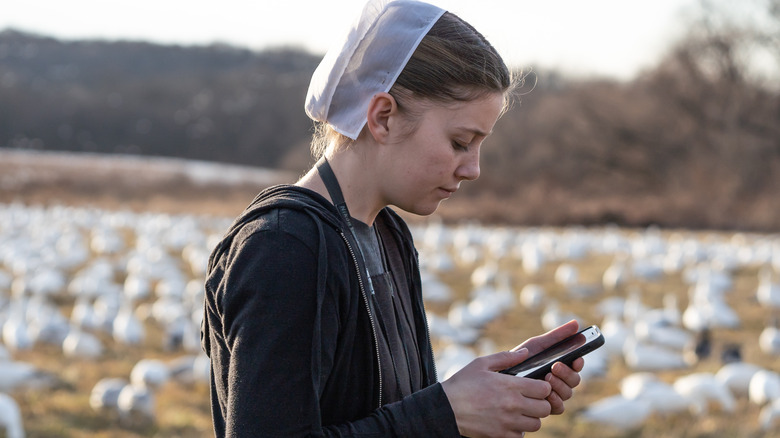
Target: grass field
[(182, 410)]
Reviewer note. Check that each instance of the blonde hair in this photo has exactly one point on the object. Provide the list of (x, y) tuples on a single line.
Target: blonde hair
[(453, 62)]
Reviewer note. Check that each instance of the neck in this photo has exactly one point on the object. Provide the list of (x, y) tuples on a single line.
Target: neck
[(357, 180)]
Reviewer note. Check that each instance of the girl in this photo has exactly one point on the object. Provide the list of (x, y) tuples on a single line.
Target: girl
[(314, 318)]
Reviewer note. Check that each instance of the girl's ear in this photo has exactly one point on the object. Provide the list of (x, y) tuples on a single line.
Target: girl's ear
[(380, 109)]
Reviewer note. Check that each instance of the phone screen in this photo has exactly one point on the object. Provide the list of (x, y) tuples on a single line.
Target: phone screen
[(558, 352)]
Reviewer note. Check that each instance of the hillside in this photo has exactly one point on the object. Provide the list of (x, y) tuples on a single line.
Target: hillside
[(123, 182), (693, 142)]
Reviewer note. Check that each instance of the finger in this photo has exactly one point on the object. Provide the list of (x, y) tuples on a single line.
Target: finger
[(535, 408), (557, 406), (539, 343), (533, 388), (527, 424), (567, 375), (578, 364), (559, 387)]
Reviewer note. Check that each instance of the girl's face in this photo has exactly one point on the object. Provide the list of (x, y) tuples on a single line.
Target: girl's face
[(428, 165)]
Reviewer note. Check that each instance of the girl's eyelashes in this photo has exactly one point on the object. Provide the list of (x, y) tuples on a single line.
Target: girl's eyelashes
[(459, 146)]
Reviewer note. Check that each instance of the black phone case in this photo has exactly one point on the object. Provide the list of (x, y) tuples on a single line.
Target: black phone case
[(566, 359)]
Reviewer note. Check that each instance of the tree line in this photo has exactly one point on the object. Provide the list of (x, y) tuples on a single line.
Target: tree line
[(691, 142)]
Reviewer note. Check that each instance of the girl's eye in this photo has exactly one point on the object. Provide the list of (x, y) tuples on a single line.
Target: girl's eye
[(459, 146)]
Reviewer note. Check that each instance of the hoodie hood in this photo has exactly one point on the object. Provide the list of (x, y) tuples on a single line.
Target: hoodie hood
[(279, 196)]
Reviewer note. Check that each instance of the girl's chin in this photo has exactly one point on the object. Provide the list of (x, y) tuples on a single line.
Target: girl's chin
[(424, 210)]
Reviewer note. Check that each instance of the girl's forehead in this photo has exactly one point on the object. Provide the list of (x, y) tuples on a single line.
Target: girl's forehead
[(476, 116)]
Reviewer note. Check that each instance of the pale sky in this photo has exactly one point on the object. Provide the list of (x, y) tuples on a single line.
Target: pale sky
[(605, 37)]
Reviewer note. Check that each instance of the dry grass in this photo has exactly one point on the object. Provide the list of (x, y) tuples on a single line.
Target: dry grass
[(521, 323)]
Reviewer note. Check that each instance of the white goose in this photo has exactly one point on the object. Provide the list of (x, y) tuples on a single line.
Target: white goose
[(661, 332), (709, 311), (15, 331), (150, 373), (640, 356), (618, 412), (106, 308), (10, 417), (768, 291), (126, 327), (46, 281), (615, 276), (136, 287), (22, 375), (190, 369), (136, 405), (596, 365), (553, 316), (436, 261), (442, 328), (485, 274), (452, 359), (634, 308), (769, 339), (648, 387), (532, 257), (435, 290), (106, 240), (737, 375), (83, 314), (80, 344), (615, 334), (105, 393), (567, 275), (181, 334), (5, 281), (532, 296), (613, 306), (769, 417), (202, 368), (703, 388), (486, 304), (764, 387), (46, 323)]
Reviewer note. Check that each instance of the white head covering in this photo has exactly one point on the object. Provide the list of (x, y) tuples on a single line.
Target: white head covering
[(366, 61)]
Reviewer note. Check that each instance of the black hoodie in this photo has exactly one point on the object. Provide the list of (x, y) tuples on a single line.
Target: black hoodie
[(290, 335)]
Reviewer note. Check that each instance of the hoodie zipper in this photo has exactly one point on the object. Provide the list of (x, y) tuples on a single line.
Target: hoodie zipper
[(370, 315), (430, 347), (435, 377)]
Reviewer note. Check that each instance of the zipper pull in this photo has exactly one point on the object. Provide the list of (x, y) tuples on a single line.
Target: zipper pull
[(370, 283)]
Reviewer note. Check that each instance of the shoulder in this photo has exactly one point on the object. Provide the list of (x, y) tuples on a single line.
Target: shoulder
[(285, 224), (289, 210), (278, 216)]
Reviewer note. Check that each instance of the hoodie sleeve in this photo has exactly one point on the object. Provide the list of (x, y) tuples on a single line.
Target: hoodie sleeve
[(268, 309), (268, 299)]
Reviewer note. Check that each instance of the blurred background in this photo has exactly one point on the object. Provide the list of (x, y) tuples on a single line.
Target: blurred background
[(632, 184), (656, 113)]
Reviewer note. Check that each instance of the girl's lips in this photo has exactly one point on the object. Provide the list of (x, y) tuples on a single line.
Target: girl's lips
[(448, 191)]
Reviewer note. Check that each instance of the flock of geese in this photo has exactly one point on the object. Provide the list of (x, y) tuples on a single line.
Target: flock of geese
[(91, 282), (664, 348)]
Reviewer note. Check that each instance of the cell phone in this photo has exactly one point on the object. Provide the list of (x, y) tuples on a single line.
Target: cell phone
[(566, 351)]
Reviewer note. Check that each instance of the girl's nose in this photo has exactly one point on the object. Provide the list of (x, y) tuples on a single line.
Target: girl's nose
[(469, 168)]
